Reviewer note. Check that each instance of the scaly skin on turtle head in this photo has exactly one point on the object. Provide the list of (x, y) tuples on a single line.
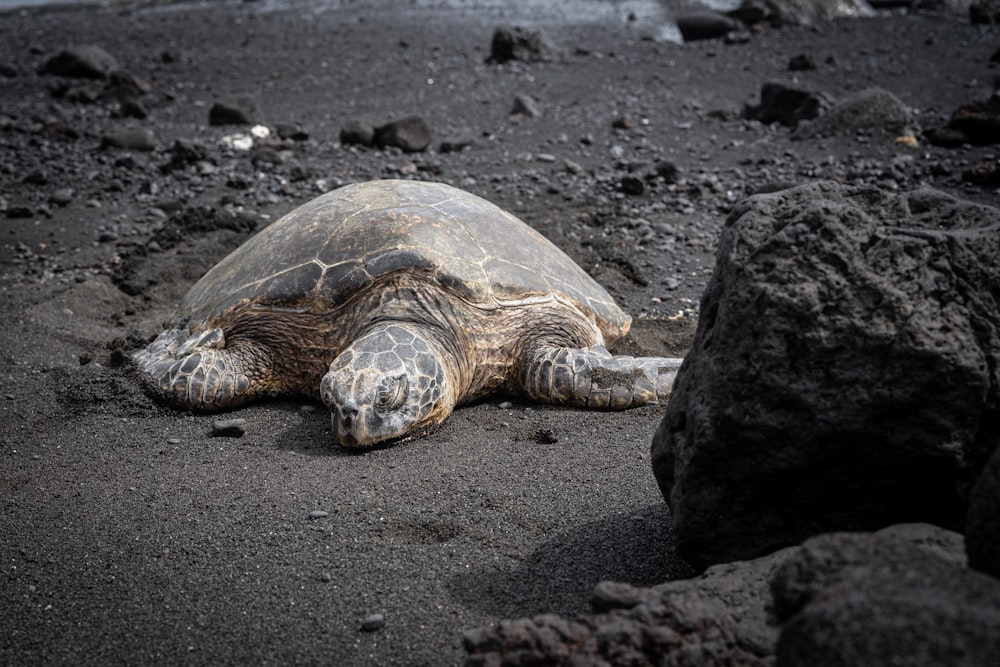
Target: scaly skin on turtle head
[(388, 383)]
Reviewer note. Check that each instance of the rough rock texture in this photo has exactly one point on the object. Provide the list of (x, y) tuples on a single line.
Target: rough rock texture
[(517, 44), (775, 13), (705, 25), (976, 123), (412, 134), (241, 110), (852, 599), (786, 105), (87, 61), (873, 109), (718, 618), (982, 522), (844, 373), (722, 617)]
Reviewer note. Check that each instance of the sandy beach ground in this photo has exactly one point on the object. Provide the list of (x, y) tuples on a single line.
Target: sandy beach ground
[(130, 535)]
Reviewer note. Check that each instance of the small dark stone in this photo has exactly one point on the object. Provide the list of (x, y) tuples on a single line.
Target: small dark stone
[(228, 428), (131, 139), (705, 25), (516, 44), (234, 111), (631, 185), (7, 71), (667, 171), (525, 105), (290, 131), (87, 61), (455, 144), (357, 133), (782, 104), (546, 436), (35, 178), (373, 622), (624, 122), (412, 134), (802, 62), (61, 197), (19, 211)]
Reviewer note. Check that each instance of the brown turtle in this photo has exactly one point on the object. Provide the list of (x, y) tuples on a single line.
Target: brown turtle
[(393, 302)]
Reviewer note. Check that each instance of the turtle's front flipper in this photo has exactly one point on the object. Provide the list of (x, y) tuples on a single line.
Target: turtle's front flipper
[(593, 378), (199, 372)]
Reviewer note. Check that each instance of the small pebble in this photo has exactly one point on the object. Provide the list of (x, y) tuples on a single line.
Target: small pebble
[(318, 514), (228, 428), (506, 405), (373, 622), (173, 441)]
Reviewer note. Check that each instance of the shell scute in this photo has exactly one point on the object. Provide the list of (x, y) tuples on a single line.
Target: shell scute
[(328, 250)]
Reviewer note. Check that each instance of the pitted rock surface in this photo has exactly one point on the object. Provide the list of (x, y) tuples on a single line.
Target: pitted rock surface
[(844, 373)]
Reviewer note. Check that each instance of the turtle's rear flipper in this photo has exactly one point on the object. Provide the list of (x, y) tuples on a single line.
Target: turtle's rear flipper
[(198, 372), (593, 378)]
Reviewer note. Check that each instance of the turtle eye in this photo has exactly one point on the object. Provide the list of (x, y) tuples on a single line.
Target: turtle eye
[(391, 392)]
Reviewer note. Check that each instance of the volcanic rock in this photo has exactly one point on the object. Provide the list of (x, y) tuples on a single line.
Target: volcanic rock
[(868, 600), (412, 134), (843, 371), (517, 44), (705, 25), (357, 132), (87, 62), (786, 105), (872, 109), (234, 111), (982, 523)]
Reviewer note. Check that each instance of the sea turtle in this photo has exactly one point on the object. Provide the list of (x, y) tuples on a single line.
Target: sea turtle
[(394, 301)]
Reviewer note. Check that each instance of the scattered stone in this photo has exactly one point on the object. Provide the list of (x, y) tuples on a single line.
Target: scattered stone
[(632, 185), (873, 109), (525, 105), (183, 154), (985, 174), (976, 123), (87, 61), (818, 394), (234, 111), (546, 436), (705, 25), (412, 134), (136, 139), (62, 197), (623, 122), (869, 600), (782, 104), (776, 13), (318, 514), (291, 132), (455, 144), (667, 171), (982, 521), (357, 132), (228, 428), (8, 71), (801, 63), (373, 622), (16, 211), (517, 44)]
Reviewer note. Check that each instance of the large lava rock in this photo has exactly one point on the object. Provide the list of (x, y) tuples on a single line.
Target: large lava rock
[(845, 373), (725, 616), (982, 523), (860, 600)]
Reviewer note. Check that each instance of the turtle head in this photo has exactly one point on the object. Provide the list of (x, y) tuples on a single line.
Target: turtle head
[(388, 383)]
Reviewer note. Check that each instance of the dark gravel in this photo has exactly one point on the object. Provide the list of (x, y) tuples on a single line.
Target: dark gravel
[(130, 535)]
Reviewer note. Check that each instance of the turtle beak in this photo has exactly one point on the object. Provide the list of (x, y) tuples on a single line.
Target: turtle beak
[(349, 425)]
